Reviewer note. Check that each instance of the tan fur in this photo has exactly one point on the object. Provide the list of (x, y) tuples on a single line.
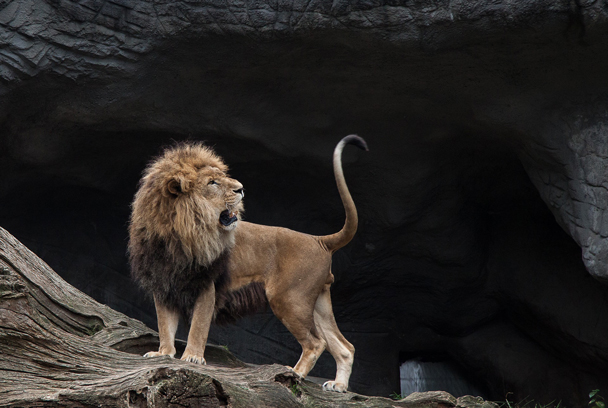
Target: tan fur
[(295, 268)]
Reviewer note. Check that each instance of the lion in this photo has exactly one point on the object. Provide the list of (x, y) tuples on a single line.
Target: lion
[(190, 249)]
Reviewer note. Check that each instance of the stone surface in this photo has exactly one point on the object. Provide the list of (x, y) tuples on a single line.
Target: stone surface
[(482, 201)]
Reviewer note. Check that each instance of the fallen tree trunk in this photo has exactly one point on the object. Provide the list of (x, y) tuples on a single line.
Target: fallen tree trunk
[(59, 347)]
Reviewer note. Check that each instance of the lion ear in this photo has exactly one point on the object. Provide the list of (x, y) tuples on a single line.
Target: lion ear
[(174, 187), (177, 185)]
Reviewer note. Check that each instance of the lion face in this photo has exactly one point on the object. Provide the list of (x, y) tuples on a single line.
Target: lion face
[(224, 193), (187, 199)]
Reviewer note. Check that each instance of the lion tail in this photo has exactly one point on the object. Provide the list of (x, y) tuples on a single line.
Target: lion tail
[(336, 241)]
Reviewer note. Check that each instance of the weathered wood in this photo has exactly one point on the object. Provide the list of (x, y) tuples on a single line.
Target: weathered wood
[(59, 347)]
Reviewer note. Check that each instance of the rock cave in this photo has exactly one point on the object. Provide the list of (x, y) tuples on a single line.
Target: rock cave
[(482, 237)]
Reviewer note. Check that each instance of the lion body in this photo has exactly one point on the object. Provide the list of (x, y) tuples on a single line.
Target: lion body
[(263, 253), (188, 252)]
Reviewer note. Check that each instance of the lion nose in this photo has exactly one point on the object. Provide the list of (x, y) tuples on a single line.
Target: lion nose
[(240, 191)]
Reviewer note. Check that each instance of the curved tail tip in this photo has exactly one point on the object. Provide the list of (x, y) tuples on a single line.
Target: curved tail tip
[(357, 141)]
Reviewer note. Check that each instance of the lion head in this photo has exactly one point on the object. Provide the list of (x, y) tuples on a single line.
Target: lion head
[(187, 200)]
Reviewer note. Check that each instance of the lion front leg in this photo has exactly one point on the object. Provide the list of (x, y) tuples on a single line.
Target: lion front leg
[(199, 327), (167, 326)]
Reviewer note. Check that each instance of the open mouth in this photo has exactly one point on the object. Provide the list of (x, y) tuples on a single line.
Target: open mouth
[(228, 218)]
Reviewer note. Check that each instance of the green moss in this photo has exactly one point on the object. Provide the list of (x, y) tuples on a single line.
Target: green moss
[(396, 396), (295, 390), (94, 329)]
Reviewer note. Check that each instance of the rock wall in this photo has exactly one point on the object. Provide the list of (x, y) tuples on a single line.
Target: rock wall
[(482, 238)]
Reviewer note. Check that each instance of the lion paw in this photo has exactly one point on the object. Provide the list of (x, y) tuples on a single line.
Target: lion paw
[(334, 386), (157, 354), (291, 369), (192, 358)]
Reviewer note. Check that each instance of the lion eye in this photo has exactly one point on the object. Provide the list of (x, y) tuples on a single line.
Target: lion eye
[(212, 182)]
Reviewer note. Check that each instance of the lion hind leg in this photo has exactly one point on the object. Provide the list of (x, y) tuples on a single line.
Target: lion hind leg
[(341, 350), (312, 348), (299, 321), (167, 320)]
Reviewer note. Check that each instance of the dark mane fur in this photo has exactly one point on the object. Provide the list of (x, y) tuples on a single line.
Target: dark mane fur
[(231, 306), (176, 282)]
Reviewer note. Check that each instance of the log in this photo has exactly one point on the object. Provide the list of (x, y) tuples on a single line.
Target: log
[(61, 348)]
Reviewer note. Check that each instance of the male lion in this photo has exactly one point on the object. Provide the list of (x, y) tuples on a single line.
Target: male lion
[(189, 248)]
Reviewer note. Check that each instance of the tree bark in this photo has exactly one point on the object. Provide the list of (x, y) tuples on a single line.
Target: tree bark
[(59, 347)]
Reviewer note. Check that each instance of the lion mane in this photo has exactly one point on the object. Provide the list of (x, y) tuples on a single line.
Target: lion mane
[(177, 245)]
